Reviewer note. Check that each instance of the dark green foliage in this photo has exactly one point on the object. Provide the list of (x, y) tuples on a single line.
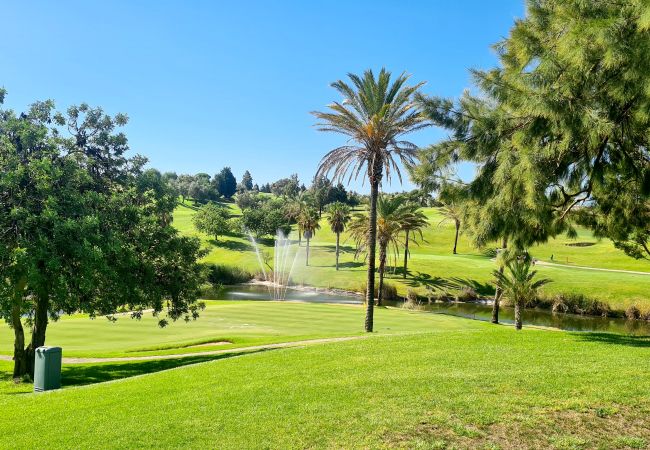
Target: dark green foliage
[(285, 187), (219, 275), (83, 228), (249, 199), (224, 183), (247, 181), (266, 220)]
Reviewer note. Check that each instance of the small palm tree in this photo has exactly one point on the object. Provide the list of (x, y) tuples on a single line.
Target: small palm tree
[(374, 115), (518, 283), (413, 223), (392, 215), (454, 213), (339, 216), (308, 223), (294, 208)]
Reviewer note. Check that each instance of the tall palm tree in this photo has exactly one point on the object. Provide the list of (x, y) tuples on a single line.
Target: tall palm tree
[(339, 216), (374, 115), (454, 213), (518, 283), (392, 215), (308, 223), (414, 221)]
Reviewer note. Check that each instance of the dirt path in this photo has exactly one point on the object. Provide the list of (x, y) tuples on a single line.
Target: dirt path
[(566, 266), (208, 353)]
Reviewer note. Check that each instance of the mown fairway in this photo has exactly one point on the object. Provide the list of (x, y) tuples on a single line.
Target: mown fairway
[(440, 382), (432, 262)]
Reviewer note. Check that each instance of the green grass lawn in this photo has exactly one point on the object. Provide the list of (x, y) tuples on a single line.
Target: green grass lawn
[(423, 381), (432, 262), (243, 323)]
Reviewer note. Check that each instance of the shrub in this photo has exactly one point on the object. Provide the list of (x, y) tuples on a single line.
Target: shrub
[(411, 301), (219, 275), (390, 291), (467, 294), (633, 312), (574, 304)]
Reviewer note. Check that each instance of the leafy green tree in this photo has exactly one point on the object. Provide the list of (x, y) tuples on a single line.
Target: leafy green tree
[(308, 222), (183, 184), (375, 115), (201, 189), (320, 189), (265, 220), (83, 228), (225, 183), (518, 283), (566, 114), (339, 216), (286, 187), (247, 181), (212, 219)]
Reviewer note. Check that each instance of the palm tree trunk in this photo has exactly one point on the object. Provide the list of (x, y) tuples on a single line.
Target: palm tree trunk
[(338, 236), (497, 293), (382, 267), (307, 261), (406, 254), (518, 306), (456, 239), (372, 242)]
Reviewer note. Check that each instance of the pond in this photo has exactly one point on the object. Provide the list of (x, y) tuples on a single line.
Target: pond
[(477, 311)]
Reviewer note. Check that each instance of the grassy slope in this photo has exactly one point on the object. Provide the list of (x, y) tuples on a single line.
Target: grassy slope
[(432, 261), (468, 384), (242, 323)]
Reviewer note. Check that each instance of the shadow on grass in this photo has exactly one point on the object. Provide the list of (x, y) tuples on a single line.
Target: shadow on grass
[(232, 245), (84, 374), (421, 279), (617, 339), (480, 288), (342, 248)]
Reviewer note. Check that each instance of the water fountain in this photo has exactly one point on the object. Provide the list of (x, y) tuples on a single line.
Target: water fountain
[(278, 276)]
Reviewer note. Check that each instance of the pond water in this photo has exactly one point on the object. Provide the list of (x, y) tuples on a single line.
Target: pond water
[(478, 311)]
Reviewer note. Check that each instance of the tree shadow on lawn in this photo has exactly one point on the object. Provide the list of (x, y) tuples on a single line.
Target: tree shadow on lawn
[(617, 339), (232, 245), (91, 373), (342, 248)]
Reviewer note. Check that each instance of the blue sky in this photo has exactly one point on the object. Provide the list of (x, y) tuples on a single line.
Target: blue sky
[(214, 83)]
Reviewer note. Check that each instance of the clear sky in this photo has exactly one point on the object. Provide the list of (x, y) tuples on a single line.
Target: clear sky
[(214, 83)]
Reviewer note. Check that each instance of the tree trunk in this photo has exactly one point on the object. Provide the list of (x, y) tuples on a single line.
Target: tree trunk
[(518, 306), (456, 238), (382, 267), (406, 254), (20, 356), (307, 261), (497, 293), (372, 242), (38, 330), (338, 236)]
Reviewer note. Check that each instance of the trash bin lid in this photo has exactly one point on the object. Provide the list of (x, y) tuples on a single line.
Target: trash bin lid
[(47, 349)]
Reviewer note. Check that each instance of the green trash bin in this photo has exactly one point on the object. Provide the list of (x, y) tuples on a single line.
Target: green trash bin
[(47, 369)]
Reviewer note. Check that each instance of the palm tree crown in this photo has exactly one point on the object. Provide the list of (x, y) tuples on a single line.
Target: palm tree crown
[(518, 283), (339, 216), (374, 114)]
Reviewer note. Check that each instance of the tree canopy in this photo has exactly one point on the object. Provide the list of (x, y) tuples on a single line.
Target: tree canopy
[(83, 228)]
